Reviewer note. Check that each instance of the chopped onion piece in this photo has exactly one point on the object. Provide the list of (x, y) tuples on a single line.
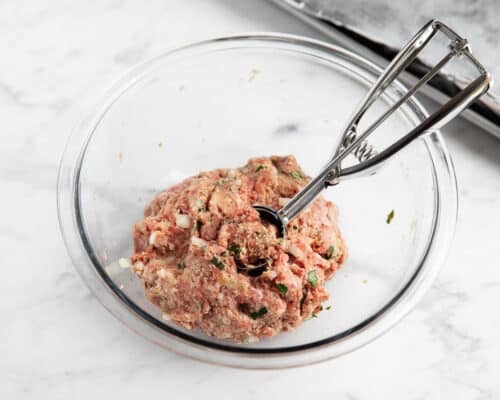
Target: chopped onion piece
[(183, 221), (162, 273), (113, 269), (138, 266), (124, 263), (152, 238), (270, 274), (199, 203), (166, 317), (198, 242), (295, 251), (109, 269), (252, 339)]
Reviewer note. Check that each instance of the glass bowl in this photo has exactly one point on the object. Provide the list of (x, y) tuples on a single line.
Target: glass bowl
[(216, 104)]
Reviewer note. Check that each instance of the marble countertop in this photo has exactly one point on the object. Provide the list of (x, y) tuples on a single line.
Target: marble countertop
[(57, 342)]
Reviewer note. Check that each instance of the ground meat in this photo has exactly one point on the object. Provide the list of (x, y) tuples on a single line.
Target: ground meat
[(198, 239)]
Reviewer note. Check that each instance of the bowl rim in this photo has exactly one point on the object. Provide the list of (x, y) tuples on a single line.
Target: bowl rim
[(120, 306)]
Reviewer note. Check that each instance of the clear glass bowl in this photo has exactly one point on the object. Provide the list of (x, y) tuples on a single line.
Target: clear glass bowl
[(216, 104)]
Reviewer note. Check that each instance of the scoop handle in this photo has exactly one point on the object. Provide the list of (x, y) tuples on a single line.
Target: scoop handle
[(302, 199), (331, 173)]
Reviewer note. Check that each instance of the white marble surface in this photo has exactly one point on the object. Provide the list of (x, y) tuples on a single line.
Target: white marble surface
[(57, 342)]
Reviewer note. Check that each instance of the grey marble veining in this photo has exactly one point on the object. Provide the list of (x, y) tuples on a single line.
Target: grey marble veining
[(57, 341)]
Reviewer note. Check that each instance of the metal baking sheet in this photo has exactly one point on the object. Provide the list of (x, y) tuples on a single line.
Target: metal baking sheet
[(376, 29)]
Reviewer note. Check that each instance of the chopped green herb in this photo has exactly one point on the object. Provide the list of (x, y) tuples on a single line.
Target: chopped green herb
[(260, 168), (329, 252), (328, 307), (312, 278), (303, 298), (181, 266), (281, 241), (257, 314), (281, 288), (223, 254), (295, 227), (235, 249), (295, 174), (218, 263), (314, 316), (222, 181), (197, 225), (389, 218)]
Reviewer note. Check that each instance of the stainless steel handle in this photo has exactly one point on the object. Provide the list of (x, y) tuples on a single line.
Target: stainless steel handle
[(332, 172)]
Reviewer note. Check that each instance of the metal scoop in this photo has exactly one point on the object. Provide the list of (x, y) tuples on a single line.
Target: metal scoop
[(369, 160)]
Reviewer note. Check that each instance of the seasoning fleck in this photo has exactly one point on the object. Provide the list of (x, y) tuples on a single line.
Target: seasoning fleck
[(253, 73), (390, 217), (260, 168)]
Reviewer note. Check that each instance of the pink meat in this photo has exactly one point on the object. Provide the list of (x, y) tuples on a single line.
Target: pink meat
[(198, 237)]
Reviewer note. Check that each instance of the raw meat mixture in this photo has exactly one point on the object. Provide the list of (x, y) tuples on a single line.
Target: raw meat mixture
[(198, 240)]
